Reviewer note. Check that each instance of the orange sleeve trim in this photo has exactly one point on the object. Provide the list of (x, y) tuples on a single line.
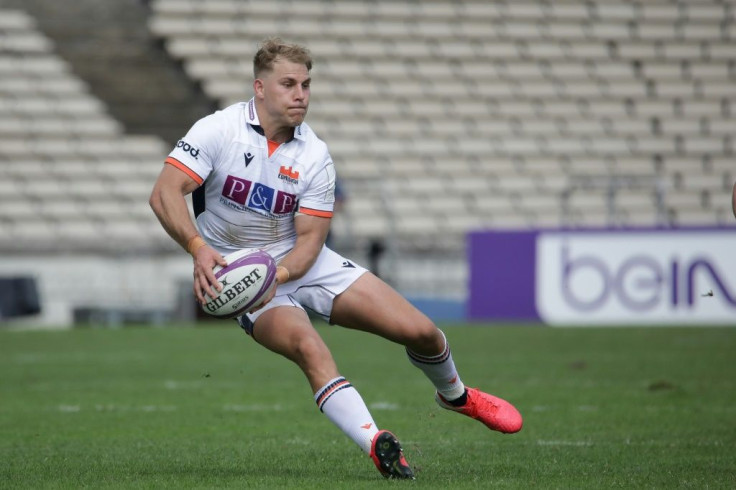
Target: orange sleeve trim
[(176, 163), (316, 212)]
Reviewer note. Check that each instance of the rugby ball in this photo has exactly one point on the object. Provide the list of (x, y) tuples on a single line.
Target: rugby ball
[(246, 280)]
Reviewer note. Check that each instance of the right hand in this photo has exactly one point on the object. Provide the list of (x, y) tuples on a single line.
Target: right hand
[(205, 260)]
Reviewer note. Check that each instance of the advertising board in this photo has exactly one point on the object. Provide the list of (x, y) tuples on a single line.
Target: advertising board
[(599, 277)]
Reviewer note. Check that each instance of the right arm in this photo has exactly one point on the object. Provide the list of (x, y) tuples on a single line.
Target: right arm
[(168, 203)]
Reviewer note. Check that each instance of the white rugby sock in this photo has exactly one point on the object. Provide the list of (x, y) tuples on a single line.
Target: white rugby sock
[(441, 371), (344, 406)]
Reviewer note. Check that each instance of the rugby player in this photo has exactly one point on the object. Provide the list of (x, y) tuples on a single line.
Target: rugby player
[(269, 182)]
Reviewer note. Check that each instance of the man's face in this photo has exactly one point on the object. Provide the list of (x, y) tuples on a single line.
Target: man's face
[(284, 92)]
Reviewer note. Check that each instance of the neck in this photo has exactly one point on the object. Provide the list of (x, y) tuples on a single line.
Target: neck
[(279, 135), (271, 129)]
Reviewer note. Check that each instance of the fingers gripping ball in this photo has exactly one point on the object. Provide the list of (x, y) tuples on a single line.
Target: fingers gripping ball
[(246, 281)]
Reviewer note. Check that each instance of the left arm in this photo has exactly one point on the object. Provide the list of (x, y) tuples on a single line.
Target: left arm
[(311, 232), (311, 229)]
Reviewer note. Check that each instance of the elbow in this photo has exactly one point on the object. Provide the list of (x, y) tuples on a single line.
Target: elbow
[(155, 201)]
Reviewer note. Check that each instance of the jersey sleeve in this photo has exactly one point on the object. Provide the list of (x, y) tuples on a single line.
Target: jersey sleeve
[(319, 198), (196, 154)]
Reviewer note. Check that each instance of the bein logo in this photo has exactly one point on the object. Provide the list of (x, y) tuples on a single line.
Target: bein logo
[(640, 281)]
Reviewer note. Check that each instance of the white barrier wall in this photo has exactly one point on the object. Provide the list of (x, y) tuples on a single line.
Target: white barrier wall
[(66, 283), (153, 283)]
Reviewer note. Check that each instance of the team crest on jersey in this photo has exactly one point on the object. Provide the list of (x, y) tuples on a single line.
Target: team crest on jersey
[(289, 175)]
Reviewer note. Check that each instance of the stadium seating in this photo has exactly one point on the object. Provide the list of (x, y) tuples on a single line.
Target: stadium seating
[(441, 116), (75, 181), (473, 114)]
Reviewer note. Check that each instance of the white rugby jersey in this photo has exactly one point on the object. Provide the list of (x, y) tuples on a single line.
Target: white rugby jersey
[(251, 197)]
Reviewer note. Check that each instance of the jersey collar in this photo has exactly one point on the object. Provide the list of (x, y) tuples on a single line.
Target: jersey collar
[(251, 117)]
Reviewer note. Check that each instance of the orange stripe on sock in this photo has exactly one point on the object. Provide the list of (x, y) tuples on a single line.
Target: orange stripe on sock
[(330, 391), (440, 358)]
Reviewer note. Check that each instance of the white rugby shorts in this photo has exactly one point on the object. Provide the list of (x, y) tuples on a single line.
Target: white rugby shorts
[(330, 275)]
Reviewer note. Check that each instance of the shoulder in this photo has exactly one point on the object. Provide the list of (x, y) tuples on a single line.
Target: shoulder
[(314, 145), (218, 125), (229, 115)]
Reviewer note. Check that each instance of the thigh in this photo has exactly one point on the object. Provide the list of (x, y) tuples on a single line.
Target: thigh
[(283, 329), (330, 276), (371, 305), (287, 330)]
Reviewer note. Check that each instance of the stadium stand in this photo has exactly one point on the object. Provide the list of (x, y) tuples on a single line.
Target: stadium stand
[(460, 115), (451, 105), (442, 116), (75, 181)]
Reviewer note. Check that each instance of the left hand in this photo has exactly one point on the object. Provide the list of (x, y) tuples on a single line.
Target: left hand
[(282, 275)]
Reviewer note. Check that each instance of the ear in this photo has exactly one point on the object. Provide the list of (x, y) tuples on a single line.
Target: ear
[(258, 88)]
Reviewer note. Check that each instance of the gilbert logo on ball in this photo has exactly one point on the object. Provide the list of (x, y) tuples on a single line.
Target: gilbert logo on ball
[(246, 280)]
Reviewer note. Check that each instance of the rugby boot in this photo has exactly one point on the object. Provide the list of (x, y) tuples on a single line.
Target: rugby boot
[(388, 457), (495, 413)]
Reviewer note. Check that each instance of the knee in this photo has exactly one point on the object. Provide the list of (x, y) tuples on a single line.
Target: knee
[(310, 352), (426, 339)]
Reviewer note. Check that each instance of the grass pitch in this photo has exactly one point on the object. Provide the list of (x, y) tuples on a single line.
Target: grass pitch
[(206, 407)]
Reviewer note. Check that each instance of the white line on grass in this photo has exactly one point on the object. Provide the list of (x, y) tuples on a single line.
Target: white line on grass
[(69, 408), (581, 408), (252, 408), (384, 406), (563, 443), (110, 407)]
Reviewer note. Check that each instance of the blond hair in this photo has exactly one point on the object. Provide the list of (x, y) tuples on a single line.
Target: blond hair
[(273, 48)]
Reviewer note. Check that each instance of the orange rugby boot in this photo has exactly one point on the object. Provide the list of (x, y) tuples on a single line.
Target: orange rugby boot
[(495, 413), (388, 457)]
